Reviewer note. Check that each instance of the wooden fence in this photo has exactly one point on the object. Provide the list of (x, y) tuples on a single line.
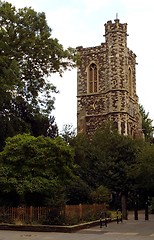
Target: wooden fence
[(31, 214)]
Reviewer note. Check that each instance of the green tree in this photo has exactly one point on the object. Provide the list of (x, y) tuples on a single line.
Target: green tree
[(68, 133), (146, 124), (32, 167), (78, 191), (107, 160), (144, 169), (28, 56), (101, 195), (84, 158), (116, 155)]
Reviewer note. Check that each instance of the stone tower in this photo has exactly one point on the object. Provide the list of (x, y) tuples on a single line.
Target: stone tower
[(106, 84)]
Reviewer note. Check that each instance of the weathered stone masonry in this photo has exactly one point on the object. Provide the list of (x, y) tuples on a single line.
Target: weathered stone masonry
[(106, 84)]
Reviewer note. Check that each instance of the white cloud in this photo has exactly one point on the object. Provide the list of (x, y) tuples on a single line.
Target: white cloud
[(91, 6), (20, 4)]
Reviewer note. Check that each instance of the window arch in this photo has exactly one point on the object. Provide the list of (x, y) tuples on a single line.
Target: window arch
[(92, 78), (130, 81)]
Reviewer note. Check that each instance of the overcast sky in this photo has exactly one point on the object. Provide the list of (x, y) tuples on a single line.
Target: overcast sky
[(81, 23)]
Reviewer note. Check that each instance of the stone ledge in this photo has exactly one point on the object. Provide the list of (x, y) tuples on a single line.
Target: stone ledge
[(50, 228)]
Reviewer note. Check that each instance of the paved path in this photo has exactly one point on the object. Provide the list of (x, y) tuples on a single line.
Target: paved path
[(128, 230)]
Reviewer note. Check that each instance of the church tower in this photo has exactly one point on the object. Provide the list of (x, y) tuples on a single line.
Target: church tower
[(106, 84)]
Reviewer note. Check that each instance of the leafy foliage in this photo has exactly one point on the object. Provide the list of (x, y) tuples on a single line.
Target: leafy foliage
[(144, 169), (28, 56), (68, 133), (146, 124), (107, 159), (39, 165), (101, 195), (78, 191)]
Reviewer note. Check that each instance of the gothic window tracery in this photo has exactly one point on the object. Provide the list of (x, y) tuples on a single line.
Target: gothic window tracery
[(92, 78)]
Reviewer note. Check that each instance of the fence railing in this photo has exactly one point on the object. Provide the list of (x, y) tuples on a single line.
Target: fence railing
[(69, 213)]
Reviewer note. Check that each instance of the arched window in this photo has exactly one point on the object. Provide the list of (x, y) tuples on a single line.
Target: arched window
[(92, 78), (130, 81)]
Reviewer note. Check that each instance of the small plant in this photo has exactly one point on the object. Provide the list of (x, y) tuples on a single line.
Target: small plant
[(18, 222)]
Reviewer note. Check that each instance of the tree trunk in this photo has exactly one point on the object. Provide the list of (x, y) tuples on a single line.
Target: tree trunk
[(124, 206)]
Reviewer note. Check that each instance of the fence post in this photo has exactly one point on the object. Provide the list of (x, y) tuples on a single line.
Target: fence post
[(80, 211), (117, 216), (31, 214), (101, 222), (135, 211), (105, 223), (103, 219), (146, 211), (121, 216)]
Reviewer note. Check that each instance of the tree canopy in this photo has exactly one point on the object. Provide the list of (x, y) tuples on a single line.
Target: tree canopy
[(144, 169), (107, 160), (32, 166), (28, 56), (146, 124), (82, 170)]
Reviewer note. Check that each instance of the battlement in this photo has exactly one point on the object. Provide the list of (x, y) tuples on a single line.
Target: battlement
[(115, 26)]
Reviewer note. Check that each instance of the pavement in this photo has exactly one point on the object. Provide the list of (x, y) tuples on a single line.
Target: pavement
[(127, 230)]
